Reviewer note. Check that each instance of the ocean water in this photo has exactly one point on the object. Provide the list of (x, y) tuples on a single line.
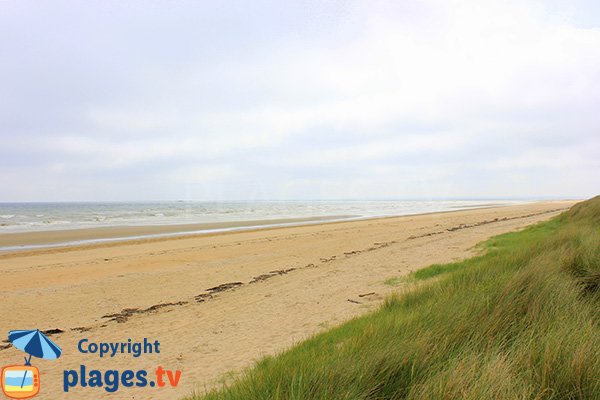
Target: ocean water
[(27, 217)]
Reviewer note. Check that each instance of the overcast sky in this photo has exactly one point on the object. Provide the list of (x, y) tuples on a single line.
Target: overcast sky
[(222, 100)]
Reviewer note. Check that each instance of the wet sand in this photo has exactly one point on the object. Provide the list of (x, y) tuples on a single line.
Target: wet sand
[(56, 238), (218, 302)]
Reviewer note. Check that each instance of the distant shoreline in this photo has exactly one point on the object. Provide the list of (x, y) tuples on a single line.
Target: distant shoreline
[(89, 235)]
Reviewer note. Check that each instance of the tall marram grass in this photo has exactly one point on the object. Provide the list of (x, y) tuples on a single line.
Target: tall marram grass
[(521, 321)]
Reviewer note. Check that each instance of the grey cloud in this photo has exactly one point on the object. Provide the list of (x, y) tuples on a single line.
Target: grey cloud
[(207, 100)]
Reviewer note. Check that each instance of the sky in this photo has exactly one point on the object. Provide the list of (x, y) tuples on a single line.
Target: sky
[(252, 100)]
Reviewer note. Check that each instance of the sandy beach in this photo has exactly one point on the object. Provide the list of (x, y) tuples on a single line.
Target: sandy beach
[(218, 302)]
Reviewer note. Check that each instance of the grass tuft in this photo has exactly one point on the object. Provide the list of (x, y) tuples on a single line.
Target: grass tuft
[(394, 281)]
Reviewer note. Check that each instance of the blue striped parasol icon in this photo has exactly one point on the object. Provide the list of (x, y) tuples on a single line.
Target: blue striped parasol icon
[(34, 343)]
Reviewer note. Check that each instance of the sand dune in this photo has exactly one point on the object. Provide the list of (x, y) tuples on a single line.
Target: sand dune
[(218, 302)]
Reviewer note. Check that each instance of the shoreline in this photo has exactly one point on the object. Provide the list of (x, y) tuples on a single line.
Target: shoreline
[(35, 239), (20, 241)]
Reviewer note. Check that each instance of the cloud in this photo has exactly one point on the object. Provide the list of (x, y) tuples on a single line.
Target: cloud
[(324, 100)]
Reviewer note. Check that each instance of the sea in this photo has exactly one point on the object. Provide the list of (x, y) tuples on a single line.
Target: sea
[(31, 217)]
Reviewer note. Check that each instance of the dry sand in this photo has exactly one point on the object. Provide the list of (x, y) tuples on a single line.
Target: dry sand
[(286, 284)]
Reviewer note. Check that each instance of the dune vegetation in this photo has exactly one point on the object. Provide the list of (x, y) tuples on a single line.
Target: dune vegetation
[(519, 321)]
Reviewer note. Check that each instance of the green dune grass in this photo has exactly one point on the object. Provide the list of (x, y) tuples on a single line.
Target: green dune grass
[(521, 321)]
